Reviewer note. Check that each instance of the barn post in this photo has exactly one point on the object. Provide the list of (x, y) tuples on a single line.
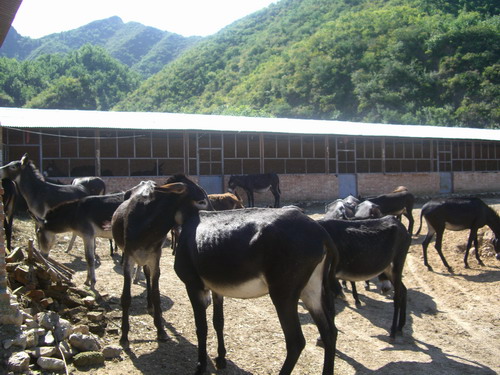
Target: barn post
[(97, 135)]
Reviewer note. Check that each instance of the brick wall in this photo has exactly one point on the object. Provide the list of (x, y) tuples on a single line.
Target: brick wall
[(417, 183), (324, 187), (466, 182)]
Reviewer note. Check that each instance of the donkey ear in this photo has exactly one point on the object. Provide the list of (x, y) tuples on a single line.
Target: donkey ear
[(175, 188), (25, 159)]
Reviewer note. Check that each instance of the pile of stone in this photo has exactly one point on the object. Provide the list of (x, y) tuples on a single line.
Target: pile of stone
[(58, 323), (48, 342)]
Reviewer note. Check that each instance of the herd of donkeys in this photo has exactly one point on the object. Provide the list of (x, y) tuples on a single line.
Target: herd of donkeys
[(222, 250)]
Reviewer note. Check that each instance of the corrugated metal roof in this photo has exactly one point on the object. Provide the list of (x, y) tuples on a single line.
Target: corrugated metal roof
[(49, 118)]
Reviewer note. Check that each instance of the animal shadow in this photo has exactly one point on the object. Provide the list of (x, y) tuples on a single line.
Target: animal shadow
[(177, 355), (447, 362)]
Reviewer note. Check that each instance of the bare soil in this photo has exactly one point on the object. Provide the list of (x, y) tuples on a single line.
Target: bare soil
[(453, 324)]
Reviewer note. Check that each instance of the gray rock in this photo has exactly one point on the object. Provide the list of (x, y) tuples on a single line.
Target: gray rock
[(19, 362), (63, 330), (48, 319), (95, 316), (19, 341), (82, 328), (84, 343), (31, 338), (88, 359), (65, 350), (44, 351), (112, 351), (50, 364), (48, 339)]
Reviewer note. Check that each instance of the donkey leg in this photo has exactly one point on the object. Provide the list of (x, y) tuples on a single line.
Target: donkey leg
[(89, 243), (411, 222), (286, 307), (71, 243), (316, 297), (111, 247), (147, 274), (425, 244), (355, 294), (199, 303), (155, 295), (438, 246), (218, 321), (476, 245), (402, 309), (276, 196), (472, 239), (126, 299), (250, 198), (7, 225)]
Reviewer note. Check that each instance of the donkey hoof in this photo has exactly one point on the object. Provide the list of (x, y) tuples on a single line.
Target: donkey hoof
[(481, 263), (162, 336), (124, 343), (220, 363), (450, 270)]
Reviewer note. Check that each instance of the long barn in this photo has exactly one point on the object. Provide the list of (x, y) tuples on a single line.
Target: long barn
[(316, 160)]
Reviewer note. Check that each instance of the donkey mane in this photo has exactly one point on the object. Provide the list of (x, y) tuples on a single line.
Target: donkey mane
[(36, 171)]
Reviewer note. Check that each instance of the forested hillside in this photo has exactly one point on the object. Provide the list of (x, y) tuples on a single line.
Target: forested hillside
[(431, 62), (393, 61), (84, 79), (144, 49)]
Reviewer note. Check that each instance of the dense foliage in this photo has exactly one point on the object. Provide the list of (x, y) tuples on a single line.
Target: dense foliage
[(384, 61), (144, 49), (393, 61), (84, 79)]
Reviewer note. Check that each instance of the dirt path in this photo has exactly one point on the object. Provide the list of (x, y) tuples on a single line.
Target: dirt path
[(453, 324)]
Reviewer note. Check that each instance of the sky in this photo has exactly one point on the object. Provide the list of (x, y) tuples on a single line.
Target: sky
[(37, 18)]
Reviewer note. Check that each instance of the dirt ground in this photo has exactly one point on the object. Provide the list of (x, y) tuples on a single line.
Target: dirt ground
[(453, 323)]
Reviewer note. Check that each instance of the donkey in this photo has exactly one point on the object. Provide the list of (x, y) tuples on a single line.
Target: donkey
[(338, 209), (9, 198), (40, 195), (258, 183), (400, 202), (219, 202), (253, 252), (458, 214), (94, 186), (88, 217), (368, 248), (140, 225)]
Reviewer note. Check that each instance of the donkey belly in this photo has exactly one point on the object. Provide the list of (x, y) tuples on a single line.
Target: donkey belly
[(252, 288), (262, 190), (455, 227), (357, 276)]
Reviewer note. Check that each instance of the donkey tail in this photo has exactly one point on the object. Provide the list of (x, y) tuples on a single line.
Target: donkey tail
[(420, 226)]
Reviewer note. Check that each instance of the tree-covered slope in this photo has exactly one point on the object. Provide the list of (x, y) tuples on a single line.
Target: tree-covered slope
[(87, 78), (399, 61), (140, 47)]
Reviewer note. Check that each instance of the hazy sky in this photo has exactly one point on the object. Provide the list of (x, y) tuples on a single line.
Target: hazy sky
[(37, 18)]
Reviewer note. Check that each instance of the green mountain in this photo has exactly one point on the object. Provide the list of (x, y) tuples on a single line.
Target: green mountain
[(144, 49), (391, 61)]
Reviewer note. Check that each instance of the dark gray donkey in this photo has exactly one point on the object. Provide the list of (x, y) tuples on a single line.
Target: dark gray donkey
[(256, 183), (458, 214)]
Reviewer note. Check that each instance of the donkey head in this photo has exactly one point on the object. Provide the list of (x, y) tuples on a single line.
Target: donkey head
[(14, 169), (192, 197)]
